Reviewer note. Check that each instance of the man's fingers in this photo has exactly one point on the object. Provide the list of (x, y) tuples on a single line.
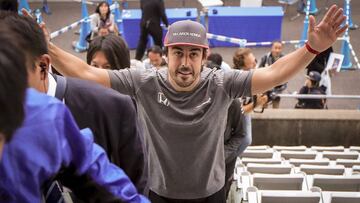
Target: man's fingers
[(26, 13), (45, 30), (337, 14), (330, 13), (341, 31), (339, 21), (311, 23)]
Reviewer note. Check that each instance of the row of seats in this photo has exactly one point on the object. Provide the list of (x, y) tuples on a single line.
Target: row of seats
[(315, 195), (348, 163), (301, 152), (299, 181), (299, 174), (304, 148)]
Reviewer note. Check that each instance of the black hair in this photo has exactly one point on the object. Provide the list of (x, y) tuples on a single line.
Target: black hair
[(215, 58), (33, 39), (97, 10), (276, 41), (9, 5), (155, 49), (13, 83), (239, 57), (166, 51), (115, 49)]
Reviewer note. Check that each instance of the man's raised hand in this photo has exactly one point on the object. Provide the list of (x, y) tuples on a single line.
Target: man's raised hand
[(323, 35)]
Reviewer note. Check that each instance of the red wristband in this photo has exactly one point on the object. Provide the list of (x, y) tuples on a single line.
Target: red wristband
[(311, 50)]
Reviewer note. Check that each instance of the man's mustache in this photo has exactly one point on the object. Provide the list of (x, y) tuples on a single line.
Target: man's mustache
[(184, 68)]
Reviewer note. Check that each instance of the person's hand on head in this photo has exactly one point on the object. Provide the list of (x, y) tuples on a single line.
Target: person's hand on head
[(42, 25), (323, 35), (26, 13)]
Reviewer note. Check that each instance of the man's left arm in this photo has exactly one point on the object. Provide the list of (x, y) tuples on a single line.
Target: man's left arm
[(320, 37)]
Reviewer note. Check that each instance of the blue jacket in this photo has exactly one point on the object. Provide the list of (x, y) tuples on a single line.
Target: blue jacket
[(48, 141)]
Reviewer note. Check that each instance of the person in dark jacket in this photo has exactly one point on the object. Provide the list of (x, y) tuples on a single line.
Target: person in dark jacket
[(318, 64), (110, 115), (267, 60), (153, 12), (311, 87), (237, 137)]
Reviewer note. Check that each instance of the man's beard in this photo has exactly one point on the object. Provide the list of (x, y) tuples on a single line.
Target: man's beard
[(180, 71)]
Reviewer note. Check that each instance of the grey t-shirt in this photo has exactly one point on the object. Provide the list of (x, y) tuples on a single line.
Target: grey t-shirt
[(184, 130)]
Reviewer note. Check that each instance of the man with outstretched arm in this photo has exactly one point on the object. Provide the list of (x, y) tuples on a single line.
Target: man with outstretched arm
[(184, 108)]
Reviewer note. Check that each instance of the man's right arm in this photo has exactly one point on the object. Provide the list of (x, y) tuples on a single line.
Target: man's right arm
[(70, 65)]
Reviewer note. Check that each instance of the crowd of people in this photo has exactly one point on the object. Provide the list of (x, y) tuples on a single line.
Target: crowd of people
[(110, 129)]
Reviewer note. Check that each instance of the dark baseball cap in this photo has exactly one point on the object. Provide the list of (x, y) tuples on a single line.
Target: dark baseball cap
[(186, 32), (314, 76)]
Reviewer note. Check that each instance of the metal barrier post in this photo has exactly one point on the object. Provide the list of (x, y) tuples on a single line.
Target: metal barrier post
[(81, 45)]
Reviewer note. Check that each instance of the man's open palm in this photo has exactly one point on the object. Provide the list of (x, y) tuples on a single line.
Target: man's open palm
[(323, 35)]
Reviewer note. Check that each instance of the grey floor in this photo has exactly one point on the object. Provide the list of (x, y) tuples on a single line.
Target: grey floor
[(345, 82)]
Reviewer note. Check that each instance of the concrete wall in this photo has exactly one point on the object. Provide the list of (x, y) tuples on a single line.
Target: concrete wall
[(306, 127)]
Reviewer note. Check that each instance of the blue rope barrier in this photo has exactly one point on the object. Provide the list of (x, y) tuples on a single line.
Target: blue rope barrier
[(73, 25), (244, 43)]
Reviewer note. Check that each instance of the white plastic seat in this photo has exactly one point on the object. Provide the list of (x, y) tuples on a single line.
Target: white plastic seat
[(258, 147), (341, 155), (354, 148), (246, 161), (348, 163), (337, 183), (278, 182), (328, 148), (328, 170), (356, 169), (291, 197), (298, 155), (345, 197), (290, 148), (256, 196), (258, 153), (269, 168), (298, 162)]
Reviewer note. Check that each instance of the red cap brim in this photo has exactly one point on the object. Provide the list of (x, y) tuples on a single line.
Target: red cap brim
[(186, 44)]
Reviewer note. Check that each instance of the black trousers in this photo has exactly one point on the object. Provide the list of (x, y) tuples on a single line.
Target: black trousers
[(156, 33), (218, 197)]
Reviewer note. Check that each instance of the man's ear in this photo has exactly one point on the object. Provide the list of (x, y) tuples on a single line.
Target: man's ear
[(204, 58), (44, 63), (205, 54)]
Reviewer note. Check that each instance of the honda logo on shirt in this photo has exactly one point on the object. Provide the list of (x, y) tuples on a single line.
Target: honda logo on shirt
[(162, 99)]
